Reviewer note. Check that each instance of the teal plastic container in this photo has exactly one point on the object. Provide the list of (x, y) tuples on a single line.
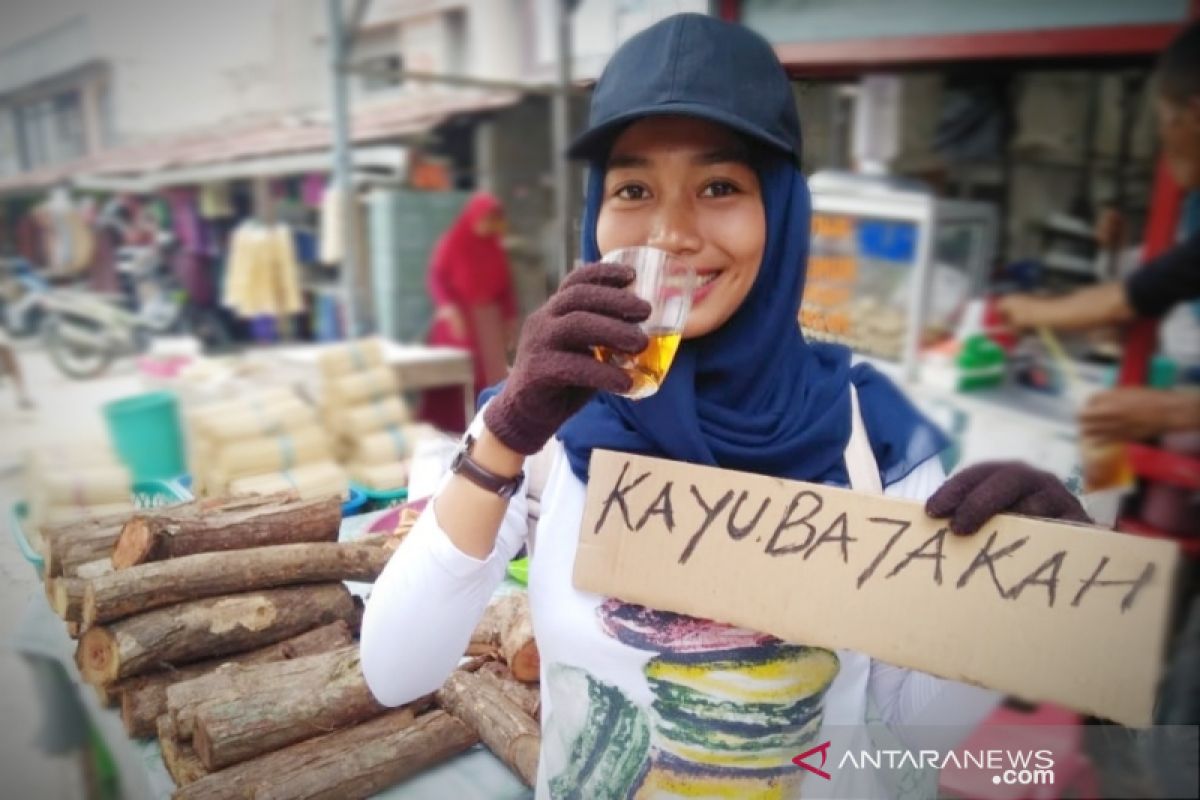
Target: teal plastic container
[(146, 432), (378, 499)]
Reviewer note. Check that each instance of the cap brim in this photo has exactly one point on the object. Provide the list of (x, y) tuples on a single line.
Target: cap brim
[(594, 143)]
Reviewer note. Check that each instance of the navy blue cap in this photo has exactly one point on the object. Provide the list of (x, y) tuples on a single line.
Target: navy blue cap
[(695, 66)]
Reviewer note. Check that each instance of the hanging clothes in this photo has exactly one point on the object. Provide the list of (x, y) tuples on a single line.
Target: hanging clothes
[(190, 262), (312, 189), (332, 234), (263, 277), (215, 201)]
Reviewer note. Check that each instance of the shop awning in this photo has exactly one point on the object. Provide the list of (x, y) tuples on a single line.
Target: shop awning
[(189, 158)]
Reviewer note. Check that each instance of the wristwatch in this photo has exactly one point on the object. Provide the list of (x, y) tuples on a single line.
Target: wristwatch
[(480, 475)]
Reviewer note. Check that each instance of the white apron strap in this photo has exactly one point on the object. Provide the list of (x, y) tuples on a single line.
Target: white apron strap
[(861, 467)]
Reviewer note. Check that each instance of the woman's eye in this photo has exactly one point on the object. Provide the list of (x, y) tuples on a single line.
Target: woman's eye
[(632, 192), (719, 189)]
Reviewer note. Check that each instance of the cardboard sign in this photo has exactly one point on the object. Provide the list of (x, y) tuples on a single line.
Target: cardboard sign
[(1040, 610)]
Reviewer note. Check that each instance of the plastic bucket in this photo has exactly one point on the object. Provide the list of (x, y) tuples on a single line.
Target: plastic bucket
[(146, 432)]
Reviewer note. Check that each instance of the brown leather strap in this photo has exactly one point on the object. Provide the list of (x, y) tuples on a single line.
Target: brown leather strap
[(481, 476)]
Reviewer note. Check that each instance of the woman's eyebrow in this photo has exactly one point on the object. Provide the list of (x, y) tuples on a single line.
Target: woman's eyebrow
[(627, 160), (724, 155)]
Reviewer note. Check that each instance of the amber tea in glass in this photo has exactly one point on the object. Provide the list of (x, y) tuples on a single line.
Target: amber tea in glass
[(667, 285)]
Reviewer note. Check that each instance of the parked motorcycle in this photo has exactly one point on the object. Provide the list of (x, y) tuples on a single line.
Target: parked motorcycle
[(84, 332), (21, 292)]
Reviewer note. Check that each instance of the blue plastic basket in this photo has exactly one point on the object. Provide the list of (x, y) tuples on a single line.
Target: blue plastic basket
[(146, 494), (354, 504)]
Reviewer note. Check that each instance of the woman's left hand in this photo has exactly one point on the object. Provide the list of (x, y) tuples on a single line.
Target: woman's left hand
[(971, 497)]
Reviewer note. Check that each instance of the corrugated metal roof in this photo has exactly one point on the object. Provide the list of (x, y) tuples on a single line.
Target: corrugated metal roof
[(407, 116)]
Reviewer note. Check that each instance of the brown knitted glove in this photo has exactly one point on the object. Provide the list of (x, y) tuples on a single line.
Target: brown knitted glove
[(556, 372), (971, 497)]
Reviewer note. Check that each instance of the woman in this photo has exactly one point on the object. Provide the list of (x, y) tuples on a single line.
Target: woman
[(474, 306), (635, 701)]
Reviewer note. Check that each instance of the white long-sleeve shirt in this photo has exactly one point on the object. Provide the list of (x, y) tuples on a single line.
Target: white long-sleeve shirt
[(633, 697)]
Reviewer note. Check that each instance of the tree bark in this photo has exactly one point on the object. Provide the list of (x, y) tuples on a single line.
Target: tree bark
[(69, 546), (351, 764), (527, 697), (94, 569), (518, 647), (508, 731), (231, 680), (207, 628), (56, 537), (274, 705), (178, 755), (67, 597), (161, 583), (506, 629), (283, 521), (144, 698), (67, 553)]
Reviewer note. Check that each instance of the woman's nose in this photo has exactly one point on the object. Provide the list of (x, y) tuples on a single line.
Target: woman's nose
[(675, 231)]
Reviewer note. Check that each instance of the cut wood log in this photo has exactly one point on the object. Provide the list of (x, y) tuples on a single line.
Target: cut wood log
[(518, 647), (54, 537), (225, 681), (508, 732), (485, 639), (144, 698), (67, 599), (161, 583), (179, 757), (153, 538), (207, 628), (350, 764), (66, 554), (275, 705), (506, 629), (526, 696), (69, 546), (94, 569)]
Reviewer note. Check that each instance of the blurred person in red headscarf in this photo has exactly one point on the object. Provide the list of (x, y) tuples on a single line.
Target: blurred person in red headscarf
[(474, 305)]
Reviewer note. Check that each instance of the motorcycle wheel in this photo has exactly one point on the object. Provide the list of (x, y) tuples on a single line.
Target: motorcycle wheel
[(73, 359), (27, 325)]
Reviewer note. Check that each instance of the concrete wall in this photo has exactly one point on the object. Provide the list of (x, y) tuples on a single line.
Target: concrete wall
[(173, 65)]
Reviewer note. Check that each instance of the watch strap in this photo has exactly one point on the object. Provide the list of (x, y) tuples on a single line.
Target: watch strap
[(481, 476)]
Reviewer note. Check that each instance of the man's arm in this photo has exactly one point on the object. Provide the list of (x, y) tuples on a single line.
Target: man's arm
[(1087, 308), (1151, 291)]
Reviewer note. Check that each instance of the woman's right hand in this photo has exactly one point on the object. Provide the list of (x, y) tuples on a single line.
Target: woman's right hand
[(556, 371), (453, 318), (1021, 311)]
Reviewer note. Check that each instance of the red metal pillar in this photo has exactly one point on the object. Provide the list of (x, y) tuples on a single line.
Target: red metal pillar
[(1166, 201)]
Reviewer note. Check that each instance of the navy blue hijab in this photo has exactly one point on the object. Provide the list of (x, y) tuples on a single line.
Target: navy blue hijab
[(754, 395)]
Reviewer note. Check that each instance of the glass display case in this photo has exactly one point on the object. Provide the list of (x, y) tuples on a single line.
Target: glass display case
[(891, 266)]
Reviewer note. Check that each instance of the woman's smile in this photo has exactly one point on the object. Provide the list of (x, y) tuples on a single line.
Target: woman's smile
[(705, 284)]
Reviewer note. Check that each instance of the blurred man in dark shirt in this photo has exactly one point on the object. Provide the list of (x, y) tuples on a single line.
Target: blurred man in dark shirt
[(1153, 289)]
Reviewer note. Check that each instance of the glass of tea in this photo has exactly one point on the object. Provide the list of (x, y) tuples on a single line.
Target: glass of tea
[(667, 285)]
